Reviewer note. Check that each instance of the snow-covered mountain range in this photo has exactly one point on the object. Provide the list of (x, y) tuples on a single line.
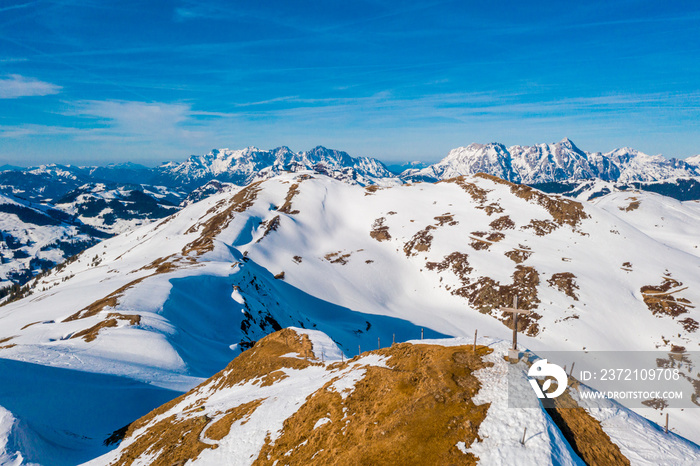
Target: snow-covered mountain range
[(147, 315), (562, 161), (247, 165), (115, 198), (542, 163)]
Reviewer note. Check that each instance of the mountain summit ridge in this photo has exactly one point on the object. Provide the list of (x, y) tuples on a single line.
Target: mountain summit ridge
[(243, 166), (557, 162)]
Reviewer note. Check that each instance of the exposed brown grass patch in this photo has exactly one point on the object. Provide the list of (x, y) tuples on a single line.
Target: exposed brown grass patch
[(491, 209), (29, 325), (477, 193), (502, 223), (112, 319), (420, 242), (413, 412), (221, 428), (265, 358), (584, 433), (371, 189), (297, 259), (287, 206), (541, 227), (162, 264), (495, 237), (458, 262), (483, 240), (270, 226), (479, 243), (566, 283), (170, 441), (661, 300), (634, 205), (280, 276), (656, 403), (6, 339), (519, 255), (176, 439), (690, 325), (111, 300), (239, 202), (446, 219), (379, 231), (337, 257), (488, 295), (564, 211)]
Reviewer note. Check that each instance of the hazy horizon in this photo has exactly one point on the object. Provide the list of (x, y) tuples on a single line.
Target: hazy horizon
[(389, 163)]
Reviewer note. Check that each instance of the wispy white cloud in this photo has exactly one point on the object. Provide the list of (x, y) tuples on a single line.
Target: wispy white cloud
[(15, 86), (140, 117), (134, 121), (153, 129), (127, 121), (16, 7), (32, 130)]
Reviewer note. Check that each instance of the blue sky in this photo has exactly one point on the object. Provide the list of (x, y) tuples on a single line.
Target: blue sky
[(95, 82)]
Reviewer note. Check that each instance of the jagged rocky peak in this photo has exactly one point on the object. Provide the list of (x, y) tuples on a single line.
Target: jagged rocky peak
[(568, 143), (243, 166), (556, 162)]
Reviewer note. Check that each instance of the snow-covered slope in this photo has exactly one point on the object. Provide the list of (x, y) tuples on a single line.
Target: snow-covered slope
[(170, 303), (694, 160), (562, 161)]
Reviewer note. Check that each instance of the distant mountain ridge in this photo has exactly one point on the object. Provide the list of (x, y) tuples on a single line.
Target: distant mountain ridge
[(541, 163), (559, 162), (246, 165), (107, 200)]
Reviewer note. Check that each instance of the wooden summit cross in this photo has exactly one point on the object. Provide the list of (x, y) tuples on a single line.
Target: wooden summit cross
[(515, 312)]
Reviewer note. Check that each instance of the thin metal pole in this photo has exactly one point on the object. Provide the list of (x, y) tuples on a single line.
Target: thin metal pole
[(515, 323), (667, 423), (393, 339), (359, 350), (421, 334), (475, 340), (522, 442), (379, 345)]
